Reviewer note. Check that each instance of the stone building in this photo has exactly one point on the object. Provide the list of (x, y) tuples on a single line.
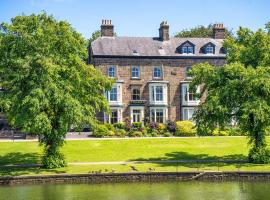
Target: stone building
[(152, 79)]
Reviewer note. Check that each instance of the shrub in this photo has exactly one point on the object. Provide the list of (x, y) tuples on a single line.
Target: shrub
[(100, 130), (218, 132), (135, 134), (236, 131), (120, 132), (153, 125), (119, 125), (161, 128), (128, 124), (111, 133), (167, 134), (154, 133), (171, 126), (137, 125), (109, 127), (185, 128), (259, 155)]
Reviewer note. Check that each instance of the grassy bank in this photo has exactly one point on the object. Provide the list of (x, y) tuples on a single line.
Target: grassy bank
[(209, 148)]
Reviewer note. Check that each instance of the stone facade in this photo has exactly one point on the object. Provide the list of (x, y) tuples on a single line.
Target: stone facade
[(173, 77)]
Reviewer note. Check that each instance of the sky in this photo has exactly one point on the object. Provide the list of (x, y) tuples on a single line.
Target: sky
[(142, 17)]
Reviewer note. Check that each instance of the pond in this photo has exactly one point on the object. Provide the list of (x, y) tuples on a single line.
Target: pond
[(142, 191)]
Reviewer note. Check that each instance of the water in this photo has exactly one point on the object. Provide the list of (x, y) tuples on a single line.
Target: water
[(140, 191)]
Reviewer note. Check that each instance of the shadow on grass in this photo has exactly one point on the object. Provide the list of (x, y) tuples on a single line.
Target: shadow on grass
[(197, 160), (19, 158)]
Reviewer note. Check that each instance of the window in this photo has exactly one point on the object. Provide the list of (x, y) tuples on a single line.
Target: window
[(187, 49), (135, 72), (114, 117), (188, 113), (112, 95), (188, 75), (188, 97), (136, 94), (158, 115), (157, 72), (159, 93), (112, 71), (209, 49), (136, 115)]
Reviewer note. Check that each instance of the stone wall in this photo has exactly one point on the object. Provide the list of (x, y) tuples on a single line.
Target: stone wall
[(174, 71), (136, 177)]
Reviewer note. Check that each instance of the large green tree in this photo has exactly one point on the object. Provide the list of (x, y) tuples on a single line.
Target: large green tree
[(48, 87), (200, 31), (239, 91)]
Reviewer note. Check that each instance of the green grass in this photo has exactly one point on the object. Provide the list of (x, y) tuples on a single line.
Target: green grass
[(207, 148)]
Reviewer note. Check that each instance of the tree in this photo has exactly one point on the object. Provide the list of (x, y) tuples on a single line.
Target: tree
[(200, 31), (238, 91), (95, 35), (48, 88)]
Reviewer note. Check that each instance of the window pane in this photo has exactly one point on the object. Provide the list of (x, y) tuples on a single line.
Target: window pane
[(185, 116), (152, 115), (159, 115), (135, 94), (157, 72), (184, 49), (190, 113), (190, 49), (159, 93), (113, 94), (135, 72), (188, 69), (209, 49), (114, 117), (112, 72)]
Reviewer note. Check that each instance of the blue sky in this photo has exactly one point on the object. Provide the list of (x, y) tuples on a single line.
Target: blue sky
[(142, 17)]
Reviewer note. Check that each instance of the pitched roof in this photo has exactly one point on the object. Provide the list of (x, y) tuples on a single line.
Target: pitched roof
[(148, 46)]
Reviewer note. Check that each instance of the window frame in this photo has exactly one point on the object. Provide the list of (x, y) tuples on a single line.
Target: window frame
[(207, 48), (186, 113), (138, 72), (137, 94), (154, 116), (114, 72), (188, 98), (160, 71)]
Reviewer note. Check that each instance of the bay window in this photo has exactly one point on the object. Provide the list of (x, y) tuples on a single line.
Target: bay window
[(158, 93), (158, 115), (188, 97)]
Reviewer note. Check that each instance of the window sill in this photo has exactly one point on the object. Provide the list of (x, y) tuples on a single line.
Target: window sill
[(133, 78)]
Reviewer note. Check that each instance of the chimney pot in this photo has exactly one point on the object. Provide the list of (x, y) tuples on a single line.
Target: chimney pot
[(164, 31), (218, 31), (107, 28)]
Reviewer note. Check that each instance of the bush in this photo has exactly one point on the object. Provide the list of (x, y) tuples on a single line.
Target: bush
[(259, 155), (111, 133), (120, 132), (167, 134), (218, 132), (236, 131), (185, 128), (137, 125), (128, 124), (135, 134), (153, 125), (100, 130), (162, 128), (109, 127), (119, 125), (153, 133), (171, 127)]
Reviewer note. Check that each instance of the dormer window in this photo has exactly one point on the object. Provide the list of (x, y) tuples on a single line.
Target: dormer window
[(186, 48), (112, 71), (209, 48)]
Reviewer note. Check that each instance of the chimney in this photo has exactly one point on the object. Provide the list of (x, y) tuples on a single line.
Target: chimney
[(107, 28), (164, 31), (219, 31)]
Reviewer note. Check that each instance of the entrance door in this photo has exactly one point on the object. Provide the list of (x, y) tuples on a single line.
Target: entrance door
[(136, 115)]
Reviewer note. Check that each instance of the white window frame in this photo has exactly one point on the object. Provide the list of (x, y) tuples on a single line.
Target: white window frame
[(161, 72), (107, 118), (141, 108), (114, 72), (153, 114), (188, 102), (186, 49), (118, 100), (188, 68), (207, 49), (139, 72), (153, 93), (186, 114)]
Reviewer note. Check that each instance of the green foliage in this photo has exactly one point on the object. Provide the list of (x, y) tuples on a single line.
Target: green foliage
[(200, 31), (110, 127), (185, 128), (167, 134), (239, 90), (259, 155), (96, 34), (136, 134), (111, 133), (218, 132), (100, 130), (48, 86), (161, 128), (119, 125), (137, 125), (120, 132)]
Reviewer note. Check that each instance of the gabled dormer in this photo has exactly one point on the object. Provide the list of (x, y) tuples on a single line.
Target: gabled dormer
[(208, 48), (222, 50), (186, 48)]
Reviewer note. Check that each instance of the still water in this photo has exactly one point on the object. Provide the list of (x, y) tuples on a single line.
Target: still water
[(140, 191)]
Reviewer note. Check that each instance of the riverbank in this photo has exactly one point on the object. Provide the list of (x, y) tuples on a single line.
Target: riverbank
[(136, 177)]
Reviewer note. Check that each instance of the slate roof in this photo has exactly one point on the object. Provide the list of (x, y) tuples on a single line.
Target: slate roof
[(148, 46)]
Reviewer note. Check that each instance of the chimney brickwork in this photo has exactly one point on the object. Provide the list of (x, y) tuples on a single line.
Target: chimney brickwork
[(107, 28), (164, 31), (218, 31)]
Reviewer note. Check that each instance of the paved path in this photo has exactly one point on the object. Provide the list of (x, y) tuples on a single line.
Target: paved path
[(132, 162)]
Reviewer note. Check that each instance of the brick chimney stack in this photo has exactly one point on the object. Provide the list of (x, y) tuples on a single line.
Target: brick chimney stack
[(219, 31), (164, 31), (107, 28)]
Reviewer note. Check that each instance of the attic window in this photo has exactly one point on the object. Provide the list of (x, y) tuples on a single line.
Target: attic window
[(135, 52), (187, 48), (209, 49)]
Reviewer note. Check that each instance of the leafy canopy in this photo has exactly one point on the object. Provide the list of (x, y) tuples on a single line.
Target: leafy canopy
[(48, 87), (238, 91), (200, 31)]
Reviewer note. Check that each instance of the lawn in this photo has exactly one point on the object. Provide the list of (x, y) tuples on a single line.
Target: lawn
[(206, 148)]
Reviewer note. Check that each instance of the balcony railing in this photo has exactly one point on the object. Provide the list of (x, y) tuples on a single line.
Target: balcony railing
[(138, 102)]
